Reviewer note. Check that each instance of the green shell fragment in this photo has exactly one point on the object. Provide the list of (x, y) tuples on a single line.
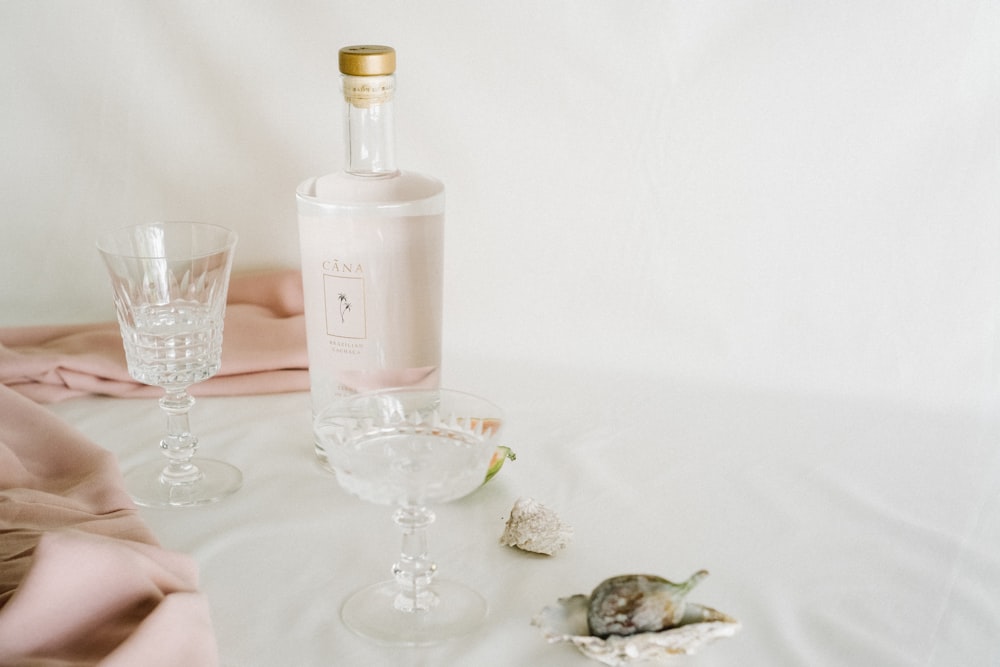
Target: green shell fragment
[(501, 455)]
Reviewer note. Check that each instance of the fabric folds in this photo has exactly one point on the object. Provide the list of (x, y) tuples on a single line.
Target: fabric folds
[(82, 579), (263, 349)]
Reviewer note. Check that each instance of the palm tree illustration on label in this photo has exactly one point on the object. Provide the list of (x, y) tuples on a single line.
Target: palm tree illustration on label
[(345, 306)]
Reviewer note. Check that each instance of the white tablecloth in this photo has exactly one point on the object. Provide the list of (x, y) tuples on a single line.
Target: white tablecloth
[(839, 532)]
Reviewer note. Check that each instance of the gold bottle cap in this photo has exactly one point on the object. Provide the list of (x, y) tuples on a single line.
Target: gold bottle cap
[(367, 60)]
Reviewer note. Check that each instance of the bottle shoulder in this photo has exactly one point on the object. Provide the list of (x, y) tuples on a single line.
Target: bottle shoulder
[(342, 187)]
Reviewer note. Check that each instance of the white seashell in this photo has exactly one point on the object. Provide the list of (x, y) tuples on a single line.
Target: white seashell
[(534, 527), (567, 622)]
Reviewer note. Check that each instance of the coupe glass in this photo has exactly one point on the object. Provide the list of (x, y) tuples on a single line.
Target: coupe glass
[(411, 448), (170, 281)]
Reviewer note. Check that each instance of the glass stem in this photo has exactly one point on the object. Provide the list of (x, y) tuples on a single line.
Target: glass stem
[(179, 446), (414, 570)]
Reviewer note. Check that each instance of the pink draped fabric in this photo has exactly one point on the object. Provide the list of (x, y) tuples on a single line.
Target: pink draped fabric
[(263, 349), (82, 579)]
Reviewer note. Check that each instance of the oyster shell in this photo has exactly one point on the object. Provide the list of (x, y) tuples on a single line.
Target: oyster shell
[(698, 625), (634, 603), (536, 528)]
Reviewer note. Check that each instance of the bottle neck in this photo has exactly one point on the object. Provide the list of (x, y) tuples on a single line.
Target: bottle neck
[(369, 125)]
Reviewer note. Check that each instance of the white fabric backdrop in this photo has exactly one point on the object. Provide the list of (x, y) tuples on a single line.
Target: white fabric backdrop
[(797, 195)]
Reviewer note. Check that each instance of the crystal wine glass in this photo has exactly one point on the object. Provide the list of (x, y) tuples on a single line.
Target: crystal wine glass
[(170, 281), (411, 448)]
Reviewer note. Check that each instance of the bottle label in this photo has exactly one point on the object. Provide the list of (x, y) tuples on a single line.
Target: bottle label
[(372, 290)]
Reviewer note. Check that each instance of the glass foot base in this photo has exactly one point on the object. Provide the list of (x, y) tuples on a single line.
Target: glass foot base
[(217, 481), (372, 613)]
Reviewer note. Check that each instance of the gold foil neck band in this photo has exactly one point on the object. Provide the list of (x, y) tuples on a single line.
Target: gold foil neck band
[(364, 91)]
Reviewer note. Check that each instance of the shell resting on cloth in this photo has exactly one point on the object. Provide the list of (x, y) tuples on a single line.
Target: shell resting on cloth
[(567, 622), (536, 528)]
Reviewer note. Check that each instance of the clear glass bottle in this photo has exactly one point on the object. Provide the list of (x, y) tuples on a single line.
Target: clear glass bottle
[(372, 245)]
